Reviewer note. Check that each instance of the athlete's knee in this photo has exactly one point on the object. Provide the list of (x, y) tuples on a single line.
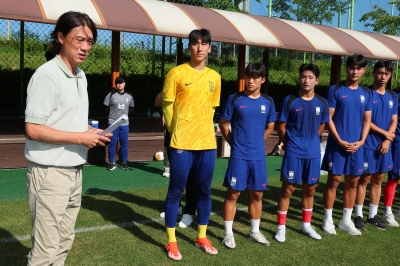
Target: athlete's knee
[(232, 195), (256, 195)]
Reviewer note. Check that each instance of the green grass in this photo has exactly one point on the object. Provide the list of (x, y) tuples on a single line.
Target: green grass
[(121, 197)]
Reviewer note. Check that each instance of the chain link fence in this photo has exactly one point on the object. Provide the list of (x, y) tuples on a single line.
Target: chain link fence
[(145, 60)]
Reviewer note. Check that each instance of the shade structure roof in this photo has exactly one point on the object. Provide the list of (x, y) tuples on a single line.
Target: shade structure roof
[(177, 20)]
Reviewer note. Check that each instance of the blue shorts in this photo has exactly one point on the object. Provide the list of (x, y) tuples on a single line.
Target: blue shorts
[(246, 173), (295, 170), (374, 162), (395, 173), (339, 162)]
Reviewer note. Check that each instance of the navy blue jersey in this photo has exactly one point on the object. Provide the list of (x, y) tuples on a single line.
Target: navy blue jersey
[(383, 108), (396, 141), (303, 119), (249, 118), (350, 106)]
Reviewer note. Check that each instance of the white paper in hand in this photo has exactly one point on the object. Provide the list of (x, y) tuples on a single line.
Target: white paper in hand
[(114, 125)]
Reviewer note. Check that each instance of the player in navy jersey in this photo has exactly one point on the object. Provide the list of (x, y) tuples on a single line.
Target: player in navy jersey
[(349, 123), (377, 147), (301, 121), (393, 176), (252, 116)]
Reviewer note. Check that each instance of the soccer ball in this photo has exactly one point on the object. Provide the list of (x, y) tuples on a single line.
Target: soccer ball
[(159, 156)]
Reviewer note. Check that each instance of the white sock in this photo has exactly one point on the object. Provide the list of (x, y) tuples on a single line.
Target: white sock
[(281, 226), (388, 209), (347, 214), (359, 210), (373, 210), (255, 225), (328, 215), (304, 224), (228, 227)]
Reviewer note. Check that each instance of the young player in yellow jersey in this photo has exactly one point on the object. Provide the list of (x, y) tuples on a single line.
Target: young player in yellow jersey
[(191, 93)]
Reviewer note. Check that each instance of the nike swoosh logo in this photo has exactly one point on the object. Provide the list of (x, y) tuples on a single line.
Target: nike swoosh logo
[(243, 106), (314, 178), (187, 84), (263, 185), (345, 96), (299, 109), (374, 102), (389, 166)]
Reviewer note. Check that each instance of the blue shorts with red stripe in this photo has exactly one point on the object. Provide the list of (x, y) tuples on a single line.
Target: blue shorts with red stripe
[(296, 170), (250, 174), (374, 162), (339, 162)]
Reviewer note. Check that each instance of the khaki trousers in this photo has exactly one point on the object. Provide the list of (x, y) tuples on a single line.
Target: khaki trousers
[(54, 198)]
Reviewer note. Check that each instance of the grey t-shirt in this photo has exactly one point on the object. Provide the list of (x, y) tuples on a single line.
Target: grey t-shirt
[(119, 105)]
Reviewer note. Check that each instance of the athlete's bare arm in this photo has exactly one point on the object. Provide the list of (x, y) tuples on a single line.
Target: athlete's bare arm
[(282, 131), (224, 127)]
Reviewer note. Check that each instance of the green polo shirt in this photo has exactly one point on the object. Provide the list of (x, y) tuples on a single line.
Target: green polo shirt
[(58, 99)]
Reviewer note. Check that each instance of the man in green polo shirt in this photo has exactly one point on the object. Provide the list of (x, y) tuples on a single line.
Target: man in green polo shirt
[(57, 139)]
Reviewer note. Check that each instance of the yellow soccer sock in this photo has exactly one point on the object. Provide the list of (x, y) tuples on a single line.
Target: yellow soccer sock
[(201, 231), (171, 234)]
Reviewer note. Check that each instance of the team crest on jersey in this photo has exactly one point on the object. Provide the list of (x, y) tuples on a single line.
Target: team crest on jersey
[(233, 181), (291, 174), (211, 84), (317, 110), (263, 109), (330, 165), (362, 98), (127, 100), (390, 104), (365, 165)]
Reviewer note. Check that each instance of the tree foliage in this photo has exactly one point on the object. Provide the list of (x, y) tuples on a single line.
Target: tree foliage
[(382, 21), (217, 4), (309, 11)]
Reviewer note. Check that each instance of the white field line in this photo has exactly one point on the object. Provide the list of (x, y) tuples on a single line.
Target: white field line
[(138, 223)]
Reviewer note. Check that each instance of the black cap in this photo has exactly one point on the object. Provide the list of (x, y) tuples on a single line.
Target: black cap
[(119, 80)]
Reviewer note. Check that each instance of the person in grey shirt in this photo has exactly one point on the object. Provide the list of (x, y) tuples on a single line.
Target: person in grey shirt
[(118, 102)]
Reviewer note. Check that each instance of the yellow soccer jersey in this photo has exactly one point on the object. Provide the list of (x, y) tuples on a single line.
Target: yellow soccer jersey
[(194, 95)]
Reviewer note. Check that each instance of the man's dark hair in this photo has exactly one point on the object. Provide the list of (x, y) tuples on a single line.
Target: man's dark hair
[(310, 67), (65, 23), (202, 34), (386, 64), (255, 69), (356, 59), (48, 55)]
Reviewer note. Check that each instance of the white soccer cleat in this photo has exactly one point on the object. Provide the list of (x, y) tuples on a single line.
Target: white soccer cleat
[(349, 227), (328, 227), (280, 235), (229, 241), (259, 238), (309, 231), (390, 219)]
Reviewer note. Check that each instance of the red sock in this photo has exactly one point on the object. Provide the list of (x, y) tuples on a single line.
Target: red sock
[(282, 218), (307, 214), (389, 192)]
